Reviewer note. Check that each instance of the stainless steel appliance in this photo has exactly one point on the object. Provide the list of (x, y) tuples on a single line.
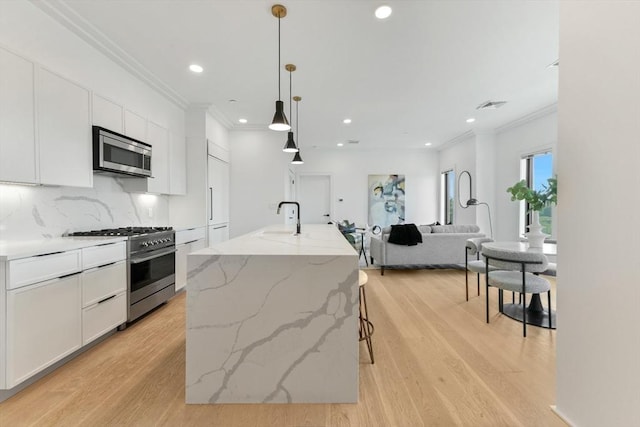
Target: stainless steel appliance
[(116, 153), (150, 267)]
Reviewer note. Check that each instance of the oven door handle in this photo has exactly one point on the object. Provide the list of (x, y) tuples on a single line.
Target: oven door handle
[(155, 255)]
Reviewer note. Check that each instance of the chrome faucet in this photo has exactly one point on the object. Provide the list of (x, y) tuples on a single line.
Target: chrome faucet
[(298, 212)]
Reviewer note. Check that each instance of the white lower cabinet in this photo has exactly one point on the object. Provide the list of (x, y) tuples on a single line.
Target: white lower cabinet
[(57, 303), (187, 241), (218, 233), (181, 260), (43, 326)]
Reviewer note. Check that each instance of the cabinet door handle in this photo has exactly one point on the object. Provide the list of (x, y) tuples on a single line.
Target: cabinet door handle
[(106, 299), (69, 275), (218, 228), (105, 265), (51, 253), (211, 203)]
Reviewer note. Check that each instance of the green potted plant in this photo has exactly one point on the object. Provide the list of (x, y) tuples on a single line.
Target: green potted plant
[(537, 200)]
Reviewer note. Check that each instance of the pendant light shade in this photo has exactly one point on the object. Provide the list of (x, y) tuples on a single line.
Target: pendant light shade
[(280, 122), (290, 145), (297, 159)]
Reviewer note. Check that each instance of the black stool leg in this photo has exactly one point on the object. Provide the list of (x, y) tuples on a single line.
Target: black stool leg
[(366, 327), (549, 304)]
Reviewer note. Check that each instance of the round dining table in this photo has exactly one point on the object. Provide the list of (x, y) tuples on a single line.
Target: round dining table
[(536, 313)]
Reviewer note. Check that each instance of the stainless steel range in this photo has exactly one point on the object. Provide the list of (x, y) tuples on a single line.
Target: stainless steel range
[(151, 265)]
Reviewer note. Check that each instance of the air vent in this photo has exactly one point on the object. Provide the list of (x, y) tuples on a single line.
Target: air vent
[(353, 141), (490, 105)]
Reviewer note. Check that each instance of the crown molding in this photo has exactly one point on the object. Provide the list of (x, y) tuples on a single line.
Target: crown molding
[(90, 34), (221, 118), (455, 140), (549, 109)]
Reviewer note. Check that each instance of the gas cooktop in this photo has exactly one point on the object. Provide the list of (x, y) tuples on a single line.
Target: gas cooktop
[(122, 231)]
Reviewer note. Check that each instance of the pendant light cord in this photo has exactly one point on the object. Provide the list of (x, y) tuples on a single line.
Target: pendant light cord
[(297, 123), (279, 97), (290, 99)]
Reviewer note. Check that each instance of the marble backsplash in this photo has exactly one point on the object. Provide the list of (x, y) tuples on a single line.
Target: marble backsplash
[(44, 212)]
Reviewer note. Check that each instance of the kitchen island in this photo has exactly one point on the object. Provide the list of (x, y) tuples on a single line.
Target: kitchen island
[(272, 317)]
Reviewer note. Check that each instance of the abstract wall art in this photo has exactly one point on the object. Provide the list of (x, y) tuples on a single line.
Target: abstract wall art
[(386, 200)]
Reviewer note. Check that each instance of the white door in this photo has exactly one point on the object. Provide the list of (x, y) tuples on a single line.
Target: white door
[(314, 195)]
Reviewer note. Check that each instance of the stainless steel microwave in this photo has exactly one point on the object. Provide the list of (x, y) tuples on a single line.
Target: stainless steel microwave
[(116, 153)]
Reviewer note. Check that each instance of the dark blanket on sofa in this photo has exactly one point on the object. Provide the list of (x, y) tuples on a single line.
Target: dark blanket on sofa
[(405, 234)]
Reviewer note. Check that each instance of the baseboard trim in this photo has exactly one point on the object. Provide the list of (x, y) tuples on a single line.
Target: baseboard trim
[(560, 415)]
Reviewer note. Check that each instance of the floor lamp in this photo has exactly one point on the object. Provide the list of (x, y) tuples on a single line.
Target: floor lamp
[(473, 201)]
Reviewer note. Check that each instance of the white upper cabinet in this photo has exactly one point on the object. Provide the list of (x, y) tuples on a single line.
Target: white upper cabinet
[(108, 114), (159, 140), (135, 126), (177, 163), (64, 129), (17, 120)]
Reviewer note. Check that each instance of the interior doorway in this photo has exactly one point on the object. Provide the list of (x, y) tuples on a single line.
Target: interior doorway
[(314, 195)]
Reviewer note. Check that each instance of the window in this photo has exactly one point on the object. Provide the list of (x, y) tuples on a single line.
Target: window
[(537, 168), (447, 185)]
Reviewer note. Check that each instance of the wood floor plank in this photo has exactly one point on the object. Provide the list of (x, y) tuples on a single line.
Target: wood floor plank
[(437, 364)]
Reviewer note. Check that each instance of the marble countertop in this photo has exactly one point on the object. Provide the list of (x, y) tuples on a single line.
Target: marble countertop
[(315, 239), (27, 248)]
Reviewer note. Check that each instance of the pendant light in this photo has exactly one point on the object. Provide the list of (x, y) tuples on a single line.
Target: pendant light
[(297, 160), (290, 145), (280, 122)]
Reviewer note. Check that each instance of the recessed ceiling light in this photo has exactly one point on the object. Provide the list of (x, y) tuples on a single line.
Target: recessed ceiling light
[(196, 68), (339, 144), (427, 144), (242, 120), (471, 120), (346, 121), (383, 12)]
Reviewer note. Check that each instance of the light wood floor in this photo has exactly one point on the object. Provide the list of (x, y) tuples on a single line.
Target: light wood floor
[(437, 364)]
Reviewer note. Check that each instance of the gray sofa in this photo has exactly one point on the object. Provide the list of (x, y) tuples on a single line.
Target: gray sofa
[(441, 244)]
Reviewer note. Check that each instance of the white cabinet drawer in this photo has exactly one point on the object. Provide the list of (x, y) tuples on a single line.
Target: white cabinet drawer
[(36, 269), (95, 256), (190, 235), (103, 282), (100, 318)]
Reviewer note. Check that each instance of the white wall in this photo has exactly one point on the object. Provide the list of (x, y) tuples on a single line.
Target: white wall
[(535, 135), (258, 171), (598, 343), (259, 176), (459, 157), (350, 169), (34, 212)]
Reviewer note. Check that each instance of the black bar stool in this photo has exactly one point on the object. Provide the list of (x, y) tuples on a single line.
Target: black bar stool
[(366, 327)]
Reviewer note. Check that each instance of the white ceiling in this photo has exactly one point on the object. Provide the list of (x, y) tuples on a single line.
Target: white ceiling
[(413, 78)]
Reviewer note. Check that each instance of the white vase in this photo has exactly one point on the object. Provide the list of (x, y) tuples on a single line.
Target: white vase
[(535, 236)]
